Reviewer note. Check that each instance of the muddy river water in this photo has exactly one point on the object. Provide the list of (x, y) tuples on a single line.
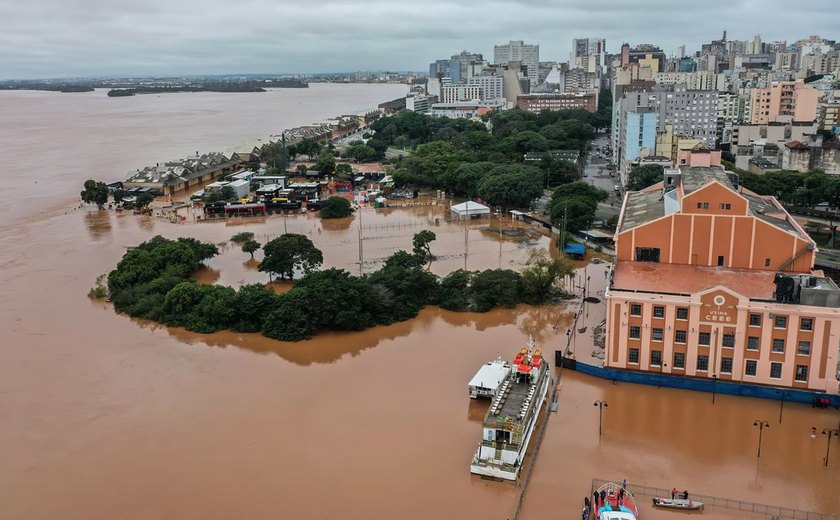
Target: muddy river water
[(103, 416)]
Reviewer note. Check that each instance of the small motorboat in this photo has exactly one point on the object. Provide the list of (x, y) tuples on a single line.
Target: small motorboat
[(678, 503)]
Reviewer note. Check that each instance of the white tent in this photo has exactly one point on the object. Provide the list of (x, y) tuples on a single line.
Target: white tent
[(469, 210)]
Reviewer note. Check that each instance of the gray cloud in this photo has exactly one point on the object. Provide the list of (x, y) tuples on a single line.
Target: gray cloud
[(54, 38)]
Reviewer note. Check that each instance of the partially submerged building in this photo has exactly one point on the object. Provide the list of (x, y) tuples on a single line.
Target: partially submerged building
[(713, 281)]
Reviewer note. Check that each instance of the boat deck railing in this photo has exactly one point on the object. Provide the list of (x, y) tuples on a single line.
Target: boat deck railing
[(728, 504)]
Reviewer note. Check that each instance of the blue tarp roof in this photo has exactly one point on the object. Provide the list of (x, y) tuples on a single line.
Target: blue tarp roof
[(574, 248)]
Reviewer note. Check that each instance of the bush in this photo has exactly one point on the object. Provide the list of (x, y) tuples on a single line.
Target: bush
[(495, 287)]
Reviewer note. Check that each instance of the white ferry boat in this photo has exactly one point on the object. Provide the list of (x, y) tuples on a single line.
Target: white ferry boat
[(488, 379), (512, 416)]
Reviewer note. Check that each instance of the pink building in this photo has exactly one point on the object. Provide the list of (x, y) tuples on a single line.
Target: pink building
[(784, 101)]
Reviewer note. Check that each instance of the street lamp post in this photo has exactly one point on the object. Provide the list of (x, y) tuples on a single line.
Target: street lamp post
[(714, 387), (829, 433), (601, 404), (760, 424)]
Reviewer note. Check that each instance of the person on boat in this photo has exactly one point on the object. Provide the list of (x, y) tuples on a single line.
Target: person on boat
[(685, 494), (673, 493), (603, 497), (595, 500)]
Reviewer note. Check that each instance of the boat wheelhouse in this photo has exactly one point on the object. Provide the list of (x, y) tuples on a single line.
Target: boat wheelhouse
[(512, 417), (488, 379)]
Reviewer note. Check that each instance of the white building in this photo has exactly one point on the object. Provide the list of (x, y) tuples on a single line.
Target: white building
[(469, 210), (418, 102), (492, 87), (517, 50), (455, 93)]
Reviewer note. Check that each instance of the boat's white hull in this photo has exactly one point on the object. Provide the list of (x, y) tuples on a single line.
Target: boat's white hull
[(494, 468)]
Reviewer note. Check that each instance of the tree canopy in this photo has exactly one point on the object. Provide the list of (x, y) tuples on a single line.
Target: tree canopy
[(95, 192), (153, 282), (290, 252), (456, 155), (643, 176), (336, 207), (577, 202)]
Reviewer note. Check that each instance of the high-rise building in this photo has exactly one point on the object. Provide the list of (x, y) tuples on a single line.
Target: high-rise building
[(464, 65), (519, 51), (784, 101)]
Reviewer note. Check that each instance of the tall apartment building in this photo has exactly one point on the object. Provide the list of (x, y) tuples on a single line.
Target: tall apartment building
[(492, 86), (589, 54), (464, 65), (439, 68), (519, 51), (691, 113), (784, 101), (640, 135), (714, 282)]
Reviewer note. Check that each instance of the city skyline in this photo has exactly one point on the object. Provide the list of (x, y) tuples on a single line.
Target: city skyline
[(80, 38)]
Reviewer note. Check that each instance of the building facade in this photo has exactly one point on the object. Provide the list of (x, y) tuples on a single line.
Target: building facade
[(519, 51), (712, 281), (558, 101)]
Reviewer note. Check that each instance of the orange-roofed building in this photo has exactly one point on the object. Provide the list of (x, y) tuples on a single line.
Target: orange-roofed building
[(714, 281)]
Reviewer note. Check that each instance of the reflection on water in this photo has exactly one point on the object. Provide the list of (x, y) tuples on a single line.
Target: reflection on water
[(477, 409), (98, 223), (336, 224), (330, 347)]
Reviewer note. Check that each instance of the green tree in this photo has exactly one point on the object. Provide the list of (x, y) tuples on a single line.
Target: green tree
[(643, 176), (336, 207), (453, 291), (251, 247), (577, 202), (344, 170), (511, 186), (288, 252), (143, 200), (241, 238), (309, 148), (325, 163), (253, 303), (360, 152), (95, 192), (288, 319), (542, 273), (421, 245), (495, 287), (301, 169)]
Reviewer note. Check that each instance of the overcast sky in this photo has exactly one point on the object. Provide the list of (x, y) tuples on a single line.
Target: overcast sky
[(58, 38)]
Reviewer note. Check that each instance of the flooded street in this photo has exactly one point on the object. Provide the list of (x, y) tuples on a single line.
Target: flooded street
[(108, 417)]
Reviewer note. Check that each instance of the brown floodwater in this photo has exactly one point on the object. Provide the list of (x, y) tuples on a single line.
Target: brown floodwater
[(104, 416)]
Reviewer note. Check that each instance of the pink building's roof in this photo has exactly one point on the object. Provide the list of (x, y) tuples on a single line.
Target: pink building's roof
[(690, 279)]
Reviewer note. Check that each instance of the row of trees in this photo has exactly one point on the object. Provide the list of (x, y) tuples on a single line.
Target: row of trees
[(153, 281), (465, 158)]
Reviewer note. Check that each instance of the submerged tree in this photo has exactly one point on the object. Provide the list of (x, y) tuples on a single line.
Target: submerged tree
[(95, 192), (288, 252), (250, 247), (421, 242)]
